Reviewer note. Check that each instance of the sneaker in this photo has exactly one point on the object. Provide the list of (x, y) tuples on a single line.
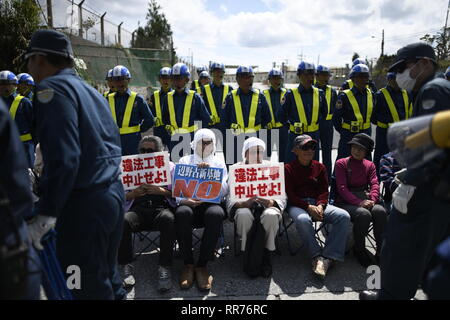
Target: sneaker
[(187, 276), (204, 279), (128, 278), (164, 279)]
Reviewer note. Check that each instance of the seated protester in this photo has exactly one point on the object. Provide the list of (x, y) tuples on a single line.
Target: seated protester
[(151, 208), (242, 212), (388, 167), (307, 192), (191, 213), (358, 193)]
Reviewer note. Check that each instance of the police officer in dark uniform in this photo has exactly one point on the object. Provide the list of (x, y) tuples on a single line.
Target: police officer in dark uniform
[(20, 277), (326, 124), (20, 109), (182, 108), (214, 95), (245, 112), (196, 85), (155, 105), (80, 184), (354, 110), (392, 104), (348, 84), (303, 109), (130, 111), (420, 218)]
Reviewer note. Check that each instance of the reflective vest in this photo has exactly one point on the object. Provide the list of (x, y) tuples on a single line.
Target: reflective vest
[(393, 110), (185, 128), (274, 124), (328, 98), (158, 108), (13, 111), (125, 127), (360, 124), (303, 126), (214, 115), (198, 88), (240, 127)]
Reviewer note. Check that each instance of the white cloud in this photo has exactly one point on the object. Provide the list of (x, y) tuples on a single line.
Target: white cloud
[(331, 29)]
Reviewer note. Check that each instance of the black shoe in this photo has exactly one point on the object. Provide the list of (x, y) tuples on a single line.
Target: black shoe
[(368, 295), (266, 270), (365, 258)]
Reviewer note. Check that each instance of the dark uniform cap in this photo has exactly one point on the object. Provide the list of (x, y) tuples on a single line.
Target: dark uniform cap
[(363, 140), (303, 139), (50, 41), (412, 51)]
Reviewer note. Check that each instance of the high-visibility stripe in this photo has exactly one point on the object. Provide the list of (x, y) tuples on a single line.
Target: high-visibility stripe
[(363, 125), (393, 109), (158, 109), (212, 105), (125, 127), (13, 112), (252, 116), (313, 126), (328, 98), (198, 87), (269, 102), (185, 128)]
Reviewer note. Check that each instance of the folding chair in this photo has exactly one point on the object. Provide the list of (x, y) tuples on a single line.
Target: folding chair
[(318, 226), (220, 247), (146, 235)]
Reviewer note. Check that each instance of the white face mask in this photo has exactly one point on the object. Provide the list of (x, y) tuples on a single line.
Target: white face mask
[(404, 79)]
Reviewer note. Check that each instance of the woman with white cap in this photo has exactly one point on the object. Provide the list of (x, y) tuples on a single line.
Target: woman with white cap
[(192, 212), (243, 211)]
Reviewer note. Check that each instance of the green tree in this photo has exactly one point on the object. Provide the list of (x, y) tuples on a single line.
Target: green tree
[(157, 33), (18, 20), (440, 42)]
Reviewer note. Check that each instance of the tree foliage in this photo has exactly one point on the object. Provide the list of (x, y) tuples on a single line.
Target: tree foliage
[(157, 33), (18, 20)]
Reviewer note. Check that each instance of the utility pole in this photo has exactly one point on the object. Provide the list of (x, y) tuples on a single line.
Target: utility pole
[(102, 28), (49, 13), (119, 32), (382, 44), (80, 19)]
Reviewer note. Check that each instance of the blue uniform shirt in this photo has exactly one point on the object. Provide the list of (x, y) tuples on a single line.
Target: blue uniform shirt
[(24, 113), (381, 111), (79, 140), (288, 113), (344, 111), (217, 94), (198, 110), (434, 96), (229, 113)]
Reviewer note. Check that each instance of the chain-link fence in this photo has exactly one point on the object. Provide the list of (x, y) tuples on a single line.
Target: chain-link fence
[(79, 20)]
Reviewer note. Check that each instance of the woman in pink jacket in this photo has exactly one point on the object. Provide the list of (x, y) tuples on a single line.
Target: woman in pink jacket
[(358, 192)]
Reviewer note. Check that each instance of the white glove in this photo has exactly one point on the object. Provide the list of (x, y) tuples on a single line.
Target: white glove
[(401, 197), (38, 228)]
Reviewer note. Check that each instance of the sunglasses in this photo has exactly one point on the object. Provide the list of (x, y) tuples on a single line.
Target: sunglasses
[(308, 147), (146, 150)]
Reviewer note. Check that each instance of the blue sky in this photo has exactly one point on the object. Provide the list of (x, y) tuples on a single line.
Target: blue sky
[(260, 32)]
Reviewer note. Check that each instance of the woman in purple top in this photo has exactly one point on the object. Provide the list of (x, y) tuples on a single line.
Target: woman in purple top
[(359, 193)]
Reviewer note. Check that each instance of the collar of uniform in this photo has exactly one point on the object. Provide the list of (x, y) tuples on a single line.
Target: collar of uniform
[(239, 91), (67, 71), (272, 90), (320, 87), (185, 91), (162, 91), (301, 88), (356, 91), (212, 85), (392, 90)]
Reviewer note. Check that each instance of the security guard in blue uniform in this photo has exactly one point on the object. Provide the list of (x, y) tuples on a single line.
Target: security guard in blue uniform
[(392, 104), (129, 111), (25, 85), (155, 105), (195, 85), (278, 133), (214, 95), (348, 84), (354, 110), (303, 109), (108, 79), (419, 219), (80, 185), (20, 109), (244, 113), (326, 124), (20, 276), (204, 79), (182, 108)]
